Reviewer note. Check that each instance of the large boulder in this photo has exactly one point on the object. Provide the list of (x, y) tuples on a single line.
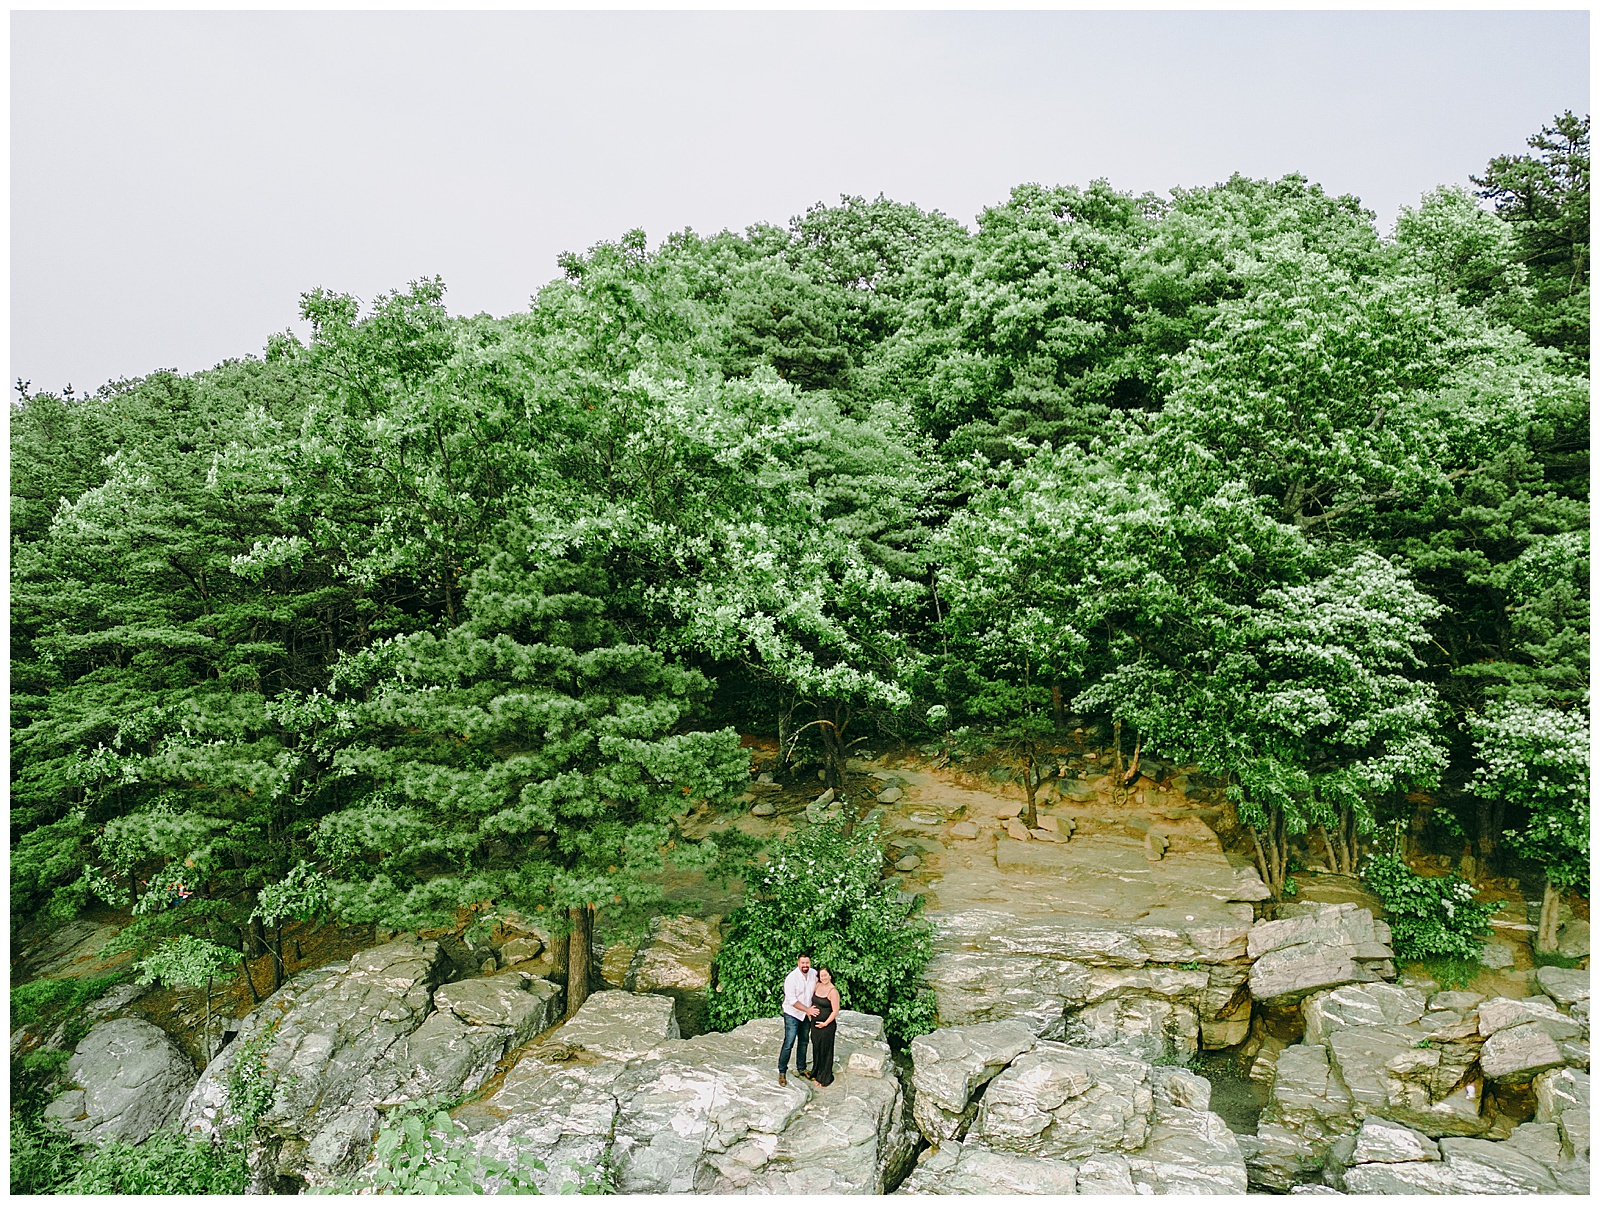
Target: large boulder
[(1396, 1072), (1566, 987), (344, 1042), (675, 960), (1062, 1101), (517, 1001), (977, 1171), (1299, 955), (130, 1080), (951, 1064), (618, 1025), (1518, 1054), (706, 1114), (1061, 1119), (1148, 1028), (1360, 1004)]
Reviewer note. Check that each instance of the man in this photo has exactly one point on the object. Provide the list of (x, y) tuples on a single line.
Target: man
[(797, 1013)]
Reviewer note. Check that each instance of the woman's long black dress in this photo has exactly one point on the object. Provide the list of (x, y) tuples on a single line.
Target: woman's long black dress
[(822, 1042)]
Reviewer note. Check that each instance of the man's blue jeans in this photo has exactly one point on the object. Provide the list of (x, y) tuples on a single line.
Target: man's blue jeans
[(794, 1030)]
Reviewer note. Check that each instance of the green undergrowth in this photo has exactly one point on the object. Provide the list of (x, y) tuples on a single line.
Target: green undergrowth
[(1451, 974), (1549, 958)]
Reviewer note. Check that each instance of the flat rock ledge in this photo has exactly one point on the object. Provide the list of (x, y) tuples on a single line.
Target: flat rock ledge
[(1046, 1118), (704, 1114)]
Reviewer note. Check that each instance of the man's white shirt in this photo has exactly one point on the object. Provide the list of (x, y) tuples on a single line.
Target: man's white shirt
[(797, 989)]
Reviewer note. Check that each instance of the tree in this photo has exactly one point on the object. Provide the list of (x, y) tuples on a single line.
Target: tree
[(1545, 198), (532, 757), (1537, 758), (188, 962), (822, 892)]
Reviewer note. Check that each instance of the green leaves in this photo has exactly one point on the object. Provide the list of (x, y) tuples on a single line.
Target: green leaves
[(823, 892), (1430, 917)]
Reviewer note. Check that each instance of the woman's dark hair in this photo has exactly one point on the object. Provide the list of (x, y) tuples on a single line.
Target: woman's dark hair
[(819, 969)]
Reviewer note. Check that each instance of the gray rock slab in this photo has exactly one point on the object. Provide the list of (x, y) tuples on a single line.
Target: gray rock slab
[(950, 1064), (133, 1080), (1381, 1141), (1060, 1101), (518, 1002), (1391, 1073), (1518, 1054), (975, 1171), (1360, 1004), (1566, 987), (1477, 1166), (620, 1025)]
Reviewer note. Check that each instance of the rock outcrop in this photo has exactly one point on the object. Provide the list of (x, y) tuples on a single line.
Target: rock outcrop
[(1395, 1092), (128, 1080), (1060, 1118), (1064, 933), (702, 1114), (1324, 947), (342, 1043)]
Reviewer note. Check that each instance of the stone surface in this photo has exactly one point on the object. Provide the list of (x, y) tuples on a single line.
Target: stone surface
[(949, 1065), (1572, 940), (706, 1114), (1390, 1073), (1500, 1013), (1516, 1055), (71, 951), (965, 830), (976, 1171), (676, 960), (1060, 1101), (618, 1025), (1140, 1026), (520, 949), (763, 809), (1384, 1142), (1461, 1002), (1299, 955), (364, 1033), (521, 1003), (892, 795), (1360, 1004), (1565, 987), (131, 1079), (908, 863)]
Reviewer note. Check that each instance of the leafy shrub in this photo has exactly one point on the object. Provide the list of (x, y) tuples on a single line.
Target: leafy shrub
[(32, 1002), (165, 1163), (1429, 916), (416, 1156), (1452, 974), (43, 1157), (824, 893)]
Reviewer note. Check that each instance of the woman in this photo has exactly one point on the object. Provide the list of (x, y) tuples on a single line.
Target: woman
[(826, 1000)]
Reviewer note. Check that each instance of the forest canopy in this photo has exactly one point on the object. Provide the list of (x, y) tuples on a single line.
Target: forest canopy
[(430, 612)]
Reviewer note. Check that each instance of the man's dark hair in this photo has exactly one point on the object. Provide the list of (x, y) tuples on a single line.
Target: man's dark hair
[(802, 954)]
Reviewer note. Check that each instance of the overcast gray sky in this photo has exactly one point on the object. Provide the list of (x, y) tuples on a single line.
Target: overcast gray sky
[(178, 179)]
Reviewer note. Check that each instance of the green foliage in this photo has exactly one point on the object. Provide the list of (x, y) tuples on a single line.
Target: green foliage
[(1538, 758), (1429, 917), (823, 892), (186, 962), (1551, 958), (432, 1155), (32, 1003), (164, 1164), (1452, 974), (42, 1156), (435, 612)]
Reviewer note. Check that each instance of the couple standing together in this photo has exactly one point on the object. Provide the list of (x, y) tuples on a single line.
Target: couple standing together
[(810, 1009)]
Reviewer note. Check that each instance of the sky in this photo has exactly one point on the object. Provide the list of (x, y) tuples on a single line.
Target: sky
[(179, 179)]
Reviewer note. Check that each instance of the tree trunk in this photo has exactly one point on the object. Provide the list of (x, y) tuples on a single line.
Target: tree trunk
[(1343, 843), (258, 939), (1058, 707), (244, 963), (1116, 753), (277, 961), (580, 943), (208, 1019), (1549, 918), (1272, 852), (558, 967), (832, 727), (1031, 816)]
